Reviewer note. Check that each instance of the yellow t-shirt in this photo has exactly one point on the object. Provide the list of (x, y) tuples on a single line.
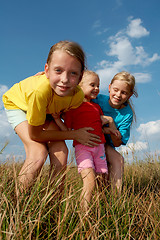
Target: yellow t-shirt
[(35, 96)]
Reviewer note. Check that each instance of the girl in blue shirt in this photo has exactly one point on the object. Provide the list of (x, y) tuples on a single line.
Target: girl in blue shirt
[(118, 106)]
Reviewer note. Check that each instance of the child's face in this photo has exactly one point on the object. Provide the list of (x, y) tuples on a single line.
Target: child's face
[(119, 92), (63, 72), (90, 87)]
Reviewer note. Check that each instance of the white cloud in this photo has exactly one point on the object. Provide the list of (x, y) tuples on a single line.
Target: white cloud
[(125, 54), (132, 147), (106, 74), (135, 29), (154, 58), (5, 128), (121, 48), (150, 130), (142, 77), (6, 132)]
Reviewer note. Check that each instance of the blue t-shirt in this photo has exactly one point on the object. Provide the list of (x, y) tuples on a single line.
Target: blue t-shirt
[(122, 117)]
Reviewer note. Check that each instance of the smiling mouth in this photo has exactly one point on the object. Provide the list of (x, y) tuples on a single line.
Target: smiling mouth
[(117, 99), (62, 88), (95, 93)]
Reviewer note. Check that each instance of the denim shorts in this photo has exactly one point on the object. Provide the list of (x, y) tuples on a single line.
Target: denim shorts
[(15, 116)]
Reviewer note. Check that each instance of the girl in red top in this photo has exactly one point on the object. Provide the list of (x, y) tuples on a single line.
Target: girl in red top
[(90, 160)]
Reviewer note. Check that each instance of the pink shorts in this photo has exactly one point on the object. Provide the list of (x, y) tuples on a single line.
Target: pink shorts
[(88, 157)]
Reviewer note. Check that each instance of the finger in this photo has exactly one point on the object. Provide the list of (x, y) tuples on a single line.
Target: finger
[(94, 139), (92, 144), (94, 136), (88, 129)]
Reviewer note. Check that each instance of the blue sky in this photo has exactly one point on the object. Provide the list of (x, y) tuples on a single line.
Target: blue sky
[(115, 35)]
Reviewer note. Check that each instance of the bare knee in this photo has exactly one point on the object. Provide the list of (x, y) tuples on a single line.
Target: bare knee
[(58, 153), (36, 156)]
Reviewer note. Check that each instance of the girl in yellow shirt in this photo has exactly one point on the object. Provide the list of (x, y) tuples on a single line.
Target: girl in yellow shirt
[(29, 103)]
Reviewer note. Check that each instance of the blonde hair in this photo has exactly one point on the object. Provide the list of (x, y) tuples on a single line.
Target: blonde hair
[(130, 80), (87, 73), (72, 48)]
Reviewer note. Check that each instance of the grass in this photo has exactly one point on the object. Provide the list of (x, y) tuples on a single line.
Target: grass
[(42, 214)]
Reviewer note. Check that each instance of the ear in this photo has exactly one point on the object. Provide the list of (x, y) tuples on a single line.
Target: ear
[(46, 70), (109, 87)]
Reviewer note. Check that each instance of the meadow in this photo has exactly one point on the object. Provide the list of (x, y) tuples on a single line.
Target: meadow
[(42, 213)]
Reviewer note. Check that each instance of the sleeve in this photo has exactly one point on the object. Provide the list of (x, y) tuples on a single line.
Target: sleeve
[(124, 128), (36, 112)]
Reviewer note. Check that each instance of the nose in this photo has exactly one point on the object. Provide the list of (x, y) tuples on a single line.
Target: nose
[(118, 93), (64, 78), (97, 88)]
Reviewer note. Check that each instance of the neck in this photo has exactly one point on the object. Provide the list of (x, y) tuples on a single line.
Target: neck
[(86, 100)]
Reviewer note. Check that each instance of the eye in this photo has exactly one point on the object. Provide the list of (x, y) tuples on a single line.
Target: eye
[(73, 73), (125, 93), (115, 89), (58, 70)]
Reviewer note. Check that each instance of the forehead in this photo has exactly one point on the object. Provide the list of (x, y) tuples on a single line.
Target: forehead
[(62, 58), (91, 79), (123, 85)]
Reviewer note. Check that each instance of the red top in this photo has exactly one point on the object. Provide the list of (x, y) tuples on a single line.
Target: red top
[(86, 115)]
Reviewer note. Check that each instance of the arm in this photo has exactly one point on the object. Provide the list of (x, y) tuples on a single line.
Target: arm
[(39, 134), (107, 119), (115, 135), (112, 130), (59, 122)]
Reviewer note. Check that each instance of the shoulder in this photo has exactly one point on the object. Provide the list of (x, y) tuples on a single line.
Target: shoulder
[(96, 105), (102, 97), (127, 111), (126, 115), (42, 84)]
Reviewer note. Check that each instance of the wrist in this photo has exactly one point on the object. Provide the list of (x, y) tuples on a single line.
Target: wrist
[(73, 134), (110, 120)]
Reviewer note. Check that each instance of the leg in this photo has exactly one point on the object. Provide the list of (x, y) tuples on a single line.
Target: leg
[(101, 168), (88, 177), (36, 154), (116, 167), (58, 153), (102, 181)]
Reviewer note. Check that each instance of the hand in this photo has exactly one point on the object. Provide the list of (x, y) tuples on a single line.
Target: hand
[(106, 119), (86, 138), (113, 132), (116, 133)]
